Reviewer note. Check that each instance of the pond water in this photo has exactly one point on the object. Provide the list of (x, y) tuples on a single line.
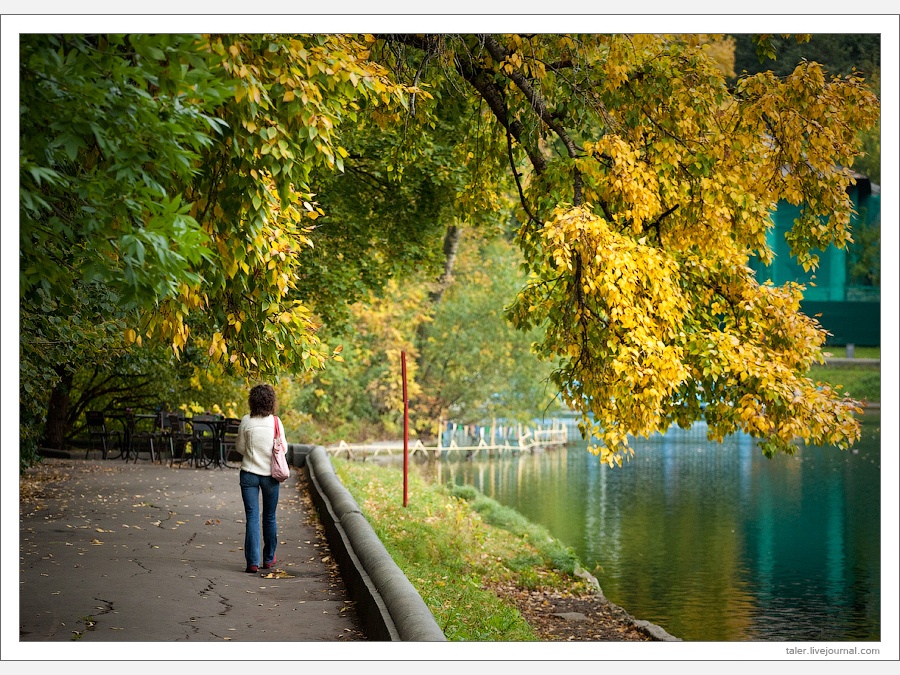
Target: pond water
[(712, 541)]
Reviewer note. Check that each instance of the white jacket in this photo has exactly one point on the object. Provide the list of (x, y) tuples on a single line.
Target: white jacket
[(255, 438)]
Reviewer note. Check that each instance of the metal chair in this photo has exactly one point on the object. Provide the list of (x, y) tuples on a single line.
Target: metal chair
[(174, 435), (98, 432), (141, 440), (206, 440), (229, 439)]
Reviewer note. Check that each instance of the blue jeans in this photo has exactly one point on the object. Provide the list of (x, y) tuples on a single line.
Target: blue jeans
[(251, 485)]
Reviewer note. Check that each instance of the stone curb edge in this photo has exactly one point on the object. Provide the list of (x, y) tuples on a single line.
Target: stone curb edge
[(387, 604)]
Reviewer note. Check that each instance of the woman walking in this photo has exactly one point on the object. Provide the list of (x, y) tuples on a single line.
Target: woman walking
[(255, 438)]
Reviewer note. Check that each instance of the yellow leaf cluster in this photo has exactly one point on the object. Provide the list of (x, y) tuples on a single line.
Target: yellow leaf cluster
[(613, 311), (387, 324)]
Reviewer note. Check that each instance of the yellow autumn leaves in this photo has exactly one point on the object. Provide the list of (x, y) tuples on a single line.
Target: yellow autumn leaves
[(613, 311), (646, 337)]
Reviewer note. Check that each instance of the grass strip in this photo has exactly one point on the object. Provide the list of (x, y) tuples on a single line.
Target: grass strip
[(454, 544), (861, 382)]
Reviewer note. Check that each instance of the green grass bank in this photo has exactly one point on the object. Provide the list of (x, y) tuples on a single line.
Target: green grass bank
[(861, 380), (455, 545)]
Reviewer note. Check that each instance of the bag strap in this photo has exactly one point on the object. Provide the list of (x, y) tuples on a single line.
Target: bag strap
[(277, 424)]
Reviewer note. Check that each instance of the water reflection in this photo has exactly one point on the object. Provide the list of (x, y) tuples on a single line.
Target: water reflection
[(712, 541)]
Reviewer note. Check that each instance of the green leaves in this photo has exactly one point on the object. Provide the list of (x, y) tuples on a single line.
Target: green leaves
[(101, 155), (109, 137)]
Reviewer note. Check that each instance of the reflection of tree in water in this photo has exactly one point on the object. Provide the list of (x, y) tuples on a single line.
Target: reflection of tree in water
[(711, 541)]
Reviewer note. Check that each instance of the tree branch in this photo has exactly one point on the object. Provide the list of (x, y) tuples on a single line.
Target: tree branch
[(499, 53), (517, 178)]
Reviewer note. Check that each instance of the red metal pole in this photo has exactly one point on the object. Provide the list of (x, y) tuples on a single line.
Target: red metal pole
[(405, 432)]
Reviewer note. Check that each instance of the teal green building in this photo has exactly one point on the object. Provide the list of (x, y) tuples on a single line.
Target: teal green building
[(844, 292)]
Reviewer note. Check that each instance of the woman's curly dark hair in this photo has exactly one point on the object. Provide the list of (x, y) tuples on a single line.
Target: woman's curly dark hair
[(262, 400)]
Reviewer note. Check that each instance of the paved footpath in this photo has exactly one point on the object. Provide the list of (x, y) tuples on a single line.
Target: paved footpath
[(117, 552)]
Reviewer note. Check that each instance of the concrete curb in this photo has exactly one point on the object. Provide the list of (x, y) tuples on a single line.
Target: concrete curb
[(841, 362), (296, 454), (384, 580), (386, 602)]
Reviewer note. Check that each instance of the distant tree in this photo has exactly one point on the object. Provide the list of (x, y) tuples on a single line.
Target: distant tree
[(474, 365)]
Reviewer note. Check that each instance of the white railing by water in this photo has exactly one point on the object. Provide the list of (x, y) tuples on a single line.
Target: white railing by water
[(499, 440)]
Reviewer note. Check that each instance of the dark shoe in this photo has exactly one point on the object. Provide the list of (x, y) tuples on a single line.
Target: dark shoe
[(252, 569), (270, 565)]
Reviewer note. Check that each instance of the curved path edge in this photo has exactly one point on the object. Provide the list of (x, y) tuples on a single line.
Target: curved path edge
[(387, 604)]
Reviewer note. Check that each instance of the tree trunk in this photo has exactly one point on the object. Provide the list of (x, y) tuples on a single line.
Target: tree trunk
[(451, 246), (57, 412)]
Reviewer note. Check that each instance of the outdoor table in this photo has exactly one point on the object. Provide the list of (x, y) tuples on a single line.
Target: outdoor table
[(207, 440), (128, 420)]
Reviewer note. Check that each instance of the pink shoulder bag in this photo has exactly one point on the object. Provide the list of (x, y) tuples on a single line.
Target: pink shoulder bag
[(280, 469)]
